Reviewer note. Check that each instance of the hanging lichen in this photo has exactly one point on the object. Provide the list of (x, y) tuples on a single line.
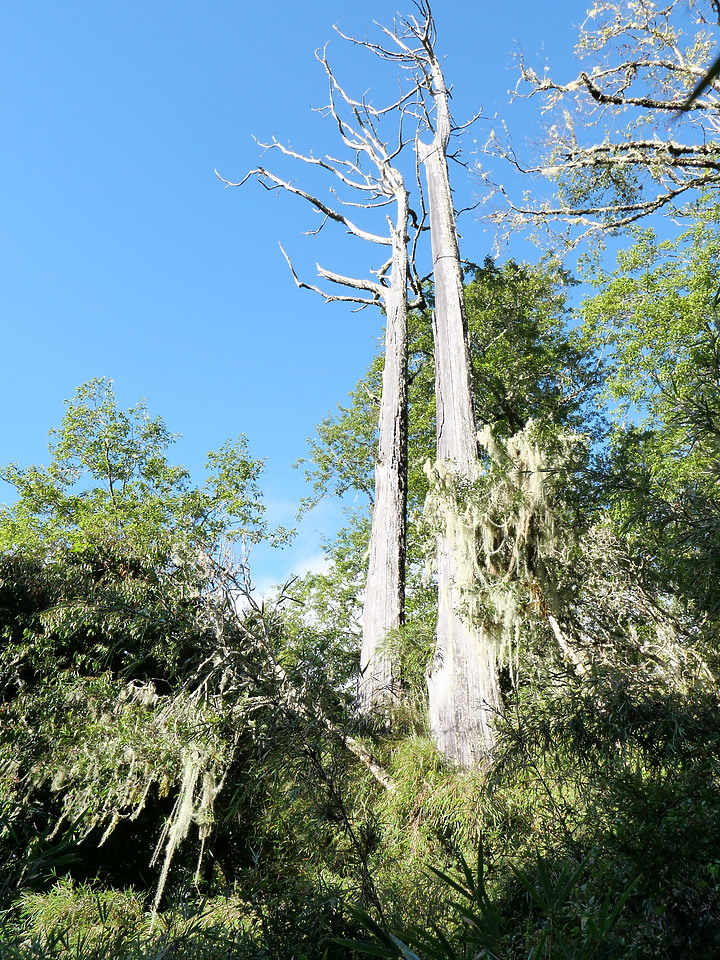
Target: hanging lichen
[(503, 529), (618, 621), (201, 781), (121, 740)]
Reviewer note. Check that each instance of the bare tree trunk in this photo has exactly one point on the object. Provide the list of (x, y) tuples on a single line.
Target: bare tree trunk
[(462, 682), (384, 603), (372, 172)]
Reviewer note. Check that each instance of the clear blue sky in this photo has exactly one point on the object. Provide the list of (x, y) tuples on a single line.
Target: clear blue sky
[(124, 257)]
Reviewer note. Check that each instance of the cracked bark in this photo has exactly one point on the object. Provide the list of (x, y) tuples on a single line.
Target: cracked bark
[(384, 604), (463, 686)]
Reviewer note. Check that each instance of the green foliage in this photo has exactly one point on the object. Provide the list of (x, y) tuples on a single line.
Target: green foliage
[(481, 931), (597, 824), (651, 313), (656, 318), (150, 704), (29, 856), (110, 487), (527, 363), (327, 607), (89, 923), (134, 688)]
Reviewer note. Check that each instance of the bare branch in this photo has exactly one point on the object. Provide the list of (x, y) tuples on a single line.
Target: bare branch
[(351, 282), (571, 654), (230, 183), (332, 297), (614, 216), (327, 163), (331, 214), (363, 105), (632, 97)]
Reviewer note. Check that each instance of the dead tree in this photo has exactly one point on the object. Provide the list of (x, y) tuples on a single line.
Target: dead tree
[(463, 681), (624, 138), (371, 169), (463, 678)]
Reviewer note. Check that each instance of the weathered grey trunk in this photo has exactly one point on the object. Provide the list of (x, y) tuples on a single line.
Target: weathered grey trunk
[(384, 604), (462, 682)]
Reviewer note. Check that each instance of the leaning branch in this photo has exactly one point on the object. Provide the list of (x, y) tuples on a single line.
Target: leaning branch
[(335, 297), (294, 700), (607, 217), (271, 182)]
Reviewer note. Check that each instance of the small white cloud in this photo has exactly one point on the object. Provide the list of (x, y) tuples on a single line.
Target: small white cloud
[(316, 563), (271, 568)]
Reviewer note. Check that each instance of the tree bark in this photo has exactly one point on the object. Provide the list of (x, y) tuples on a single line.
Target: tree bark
[(463, 686), (384, 602)]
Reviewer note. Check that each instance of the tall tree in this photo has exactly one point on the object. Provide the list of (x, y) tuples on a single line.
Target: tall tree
[(373, 171), (463, 688)]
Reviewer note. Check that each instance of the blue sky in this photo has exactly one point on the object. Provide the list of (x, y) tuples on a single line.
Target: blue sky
[(123, 256)]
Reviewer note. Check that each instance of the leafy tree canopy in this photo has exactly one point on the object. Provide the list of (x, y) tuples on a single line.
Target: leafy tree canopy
[(527, 364), (110, 486), (655, 317)]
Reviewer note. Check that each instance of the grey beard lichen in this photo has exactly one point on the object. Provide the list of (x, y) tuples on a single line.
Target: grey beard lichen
[(200, 783), (132, 739), (503, 530)]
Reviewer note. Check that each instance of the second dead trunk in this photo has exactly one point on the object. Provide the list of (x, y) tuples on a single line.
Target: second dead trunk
[(384, 603)]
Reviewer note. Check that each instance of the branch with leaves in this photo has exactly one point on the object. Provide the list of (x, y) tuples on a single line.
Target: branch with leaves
[(624, 138)]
